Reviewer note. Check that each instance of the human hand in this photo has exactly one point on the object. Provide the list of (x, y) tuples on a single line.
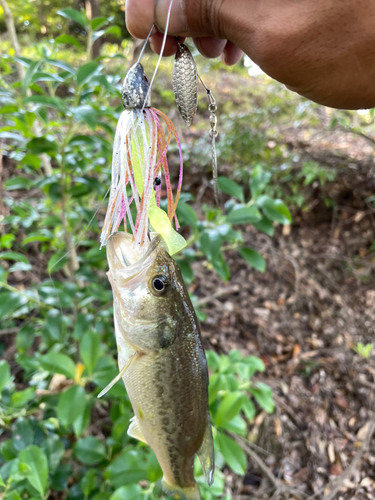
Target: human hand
[(322, 49)]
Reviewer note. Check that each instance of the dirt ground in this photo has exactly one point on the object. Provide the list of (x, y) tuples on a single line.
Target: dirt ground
[(303, 317)]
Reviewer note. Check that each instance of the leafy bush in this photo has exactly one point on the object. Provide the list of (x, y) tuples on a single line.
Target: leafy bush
[(50, 446), (56, 435)]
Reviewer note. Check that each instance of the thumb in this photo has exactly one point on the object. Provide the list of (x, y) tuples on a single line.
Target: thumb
[(195, 18), (223, 19)]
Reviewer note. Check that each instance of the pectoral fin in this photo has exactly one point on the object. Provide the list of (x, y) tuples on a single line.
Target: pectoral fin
[(206, 454), (117, 378), (134, 430)]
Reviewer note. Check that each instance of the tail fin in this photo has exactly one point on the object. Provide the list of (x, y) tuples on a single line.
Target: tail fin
[(188, 493)]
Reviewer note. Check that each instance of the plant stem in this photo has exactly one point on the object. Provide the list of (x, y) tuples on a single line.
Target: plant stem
[(13, 36), (29, 297), (73, 261)]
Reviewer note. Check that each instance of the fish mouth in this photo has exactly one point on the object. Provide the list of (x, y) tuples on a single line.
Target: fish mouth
[(123, 257)]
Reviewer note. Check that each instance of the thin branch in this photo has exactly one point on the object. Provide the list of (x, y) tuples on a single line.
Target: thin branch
[(353, 464), (278, 485), (220, 293), (9, 331), (29, 297), (9, 21), (262, 465)]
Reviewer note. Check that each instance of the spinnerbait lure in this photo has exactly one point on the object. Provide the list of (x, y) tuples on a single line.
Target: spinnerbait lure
[(139, 157)]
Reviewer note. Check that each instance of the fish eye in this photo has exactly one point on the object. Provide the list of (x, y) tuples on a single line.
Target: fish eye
[(159, 285)]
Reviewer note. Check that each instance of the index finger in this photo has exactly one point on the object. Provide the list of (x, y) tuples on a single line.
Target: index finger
[(139, 17)]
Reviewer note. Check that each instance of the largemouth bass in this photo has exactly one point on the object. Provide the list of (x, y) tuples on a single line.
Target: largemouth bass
[(162, 361)]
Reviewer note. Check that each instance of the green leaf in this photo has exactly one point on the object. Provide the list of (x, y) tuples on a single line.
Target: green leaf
[(99, 22), (82, 422), (61, 65), (253, 258), (11, 302), (85, 72), (113, 30), (186, 271), (237, 425), (36, 459), (230, 187), (243, 215), (6, 240), (57, 261), (14, 256), (20, 399), (7, 451), (72, 404), (83, 323), (186, 215), (248, 408), (265, 226), (18, 183), (86, 114), (41, 145), (41, 76), (221, 267), (90, 350), (130, 492), (4, 374), (20, 266), (127, 468), (232, 452), (90, 450), (31, 70), (258, 181), (228, 408), (275, 210), (31, 160), (11, 108), (54, 449), (210, 243), (12, 135), (263, 394), (53, 328), (217, 383), (74, 15), (68, 39), (89, 482), (254, 363), (22, 434), (12, 495), (42, 235), (54, 362), (213, 360), (52, 102)]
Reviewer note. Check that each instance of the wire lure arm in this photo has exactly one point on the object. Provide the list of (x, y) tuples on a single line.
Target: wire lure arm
[(212, 108)]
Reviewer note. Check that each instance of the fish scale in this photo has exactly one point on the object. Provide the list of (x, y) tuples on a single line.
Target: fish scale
[(185, 83)]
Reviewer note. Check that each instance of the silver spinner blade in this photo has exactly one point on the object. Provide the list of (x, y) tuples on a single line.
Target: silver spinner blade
[(185, 83)]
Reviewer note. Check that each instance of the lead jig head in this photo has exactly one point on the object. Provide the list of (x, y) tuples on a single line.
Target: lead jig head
[(135, 91)]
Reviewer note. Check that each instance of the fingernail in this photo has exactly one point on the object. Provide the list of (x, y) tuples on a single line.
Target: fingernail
[(177, 21)]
